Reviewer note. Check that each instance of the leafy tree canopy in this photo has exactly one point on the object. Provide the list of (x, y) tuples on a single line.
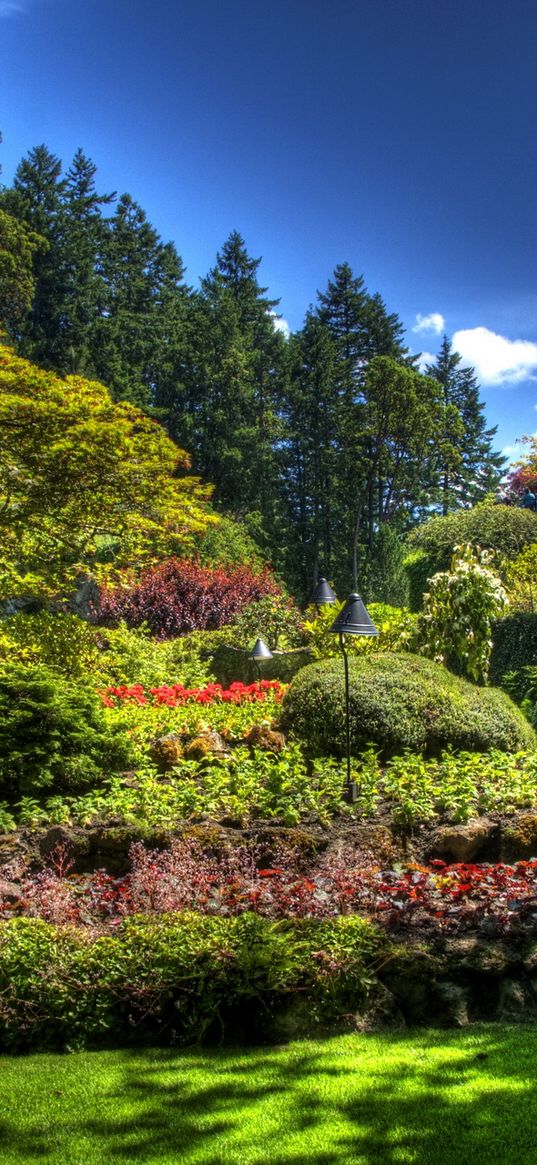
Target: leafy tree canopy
[(78, 473), (17, 282)]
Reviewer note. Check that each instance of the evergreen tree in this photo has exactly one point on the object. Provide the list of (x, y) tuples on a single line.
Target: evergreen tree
[(238, 364), (362, 329), (35, 199), (82, 235), (308, 456), (138, 273), (476, 469)]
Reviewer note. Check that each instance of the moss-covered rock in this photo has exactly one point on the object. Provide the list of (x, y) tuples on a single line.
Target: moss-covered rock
[(400, 702)]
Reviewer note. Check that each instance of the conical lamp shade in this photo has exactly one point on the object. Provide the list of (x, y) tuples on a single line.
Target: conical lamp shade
[(353, 619), (322, 593), (260, 651)]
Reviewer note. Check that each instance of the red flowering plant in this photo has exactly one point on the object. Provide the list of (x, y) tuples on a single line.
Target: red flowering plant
[(434, 899), (176, 695)]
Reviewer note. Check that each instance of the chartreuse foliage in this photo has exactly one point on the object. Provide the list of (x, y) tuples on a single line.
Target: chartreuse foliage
[(76, 469), (121, 655), (459, 609), (60, 641), (284, 788), (398, 630), (400, 702), (521, 579), (420, 1096)]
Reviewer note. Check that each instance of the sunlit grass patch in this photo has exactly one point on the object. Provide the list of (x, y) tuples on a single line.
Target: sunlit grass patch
[(423, 1097)]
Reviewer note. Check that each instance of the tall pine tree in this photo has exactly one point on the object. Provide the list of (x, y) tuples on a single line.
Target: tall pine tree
[(239, 360), (477, 469)]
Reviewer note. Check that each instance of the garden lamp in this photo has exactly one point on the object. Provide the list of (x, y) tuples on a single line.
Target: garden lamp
[(353, 619), (322, 593), (260, 652)]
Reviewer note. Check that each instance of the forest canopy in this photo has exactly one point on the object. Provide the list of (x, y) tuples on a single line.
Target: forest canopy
[(328, 445)]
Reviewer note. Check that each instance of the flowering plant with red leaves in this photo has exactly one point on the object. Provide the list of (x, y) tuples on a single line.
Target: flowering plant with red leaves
[(176, 695), (436, 898)]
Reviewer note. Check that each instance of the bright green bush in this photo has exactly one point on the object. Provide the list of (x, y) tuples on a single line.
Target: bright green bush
[(133, 656), (230, 543), (63, 642), (176, 977), (53, 733), (399, 702), (521, 580), (506, 529), (397, 628)]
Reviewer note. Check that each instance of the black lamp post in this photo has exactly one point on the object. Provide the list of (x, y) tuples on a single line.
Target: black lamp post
[(260, 652), (353, 619), (322, 594)]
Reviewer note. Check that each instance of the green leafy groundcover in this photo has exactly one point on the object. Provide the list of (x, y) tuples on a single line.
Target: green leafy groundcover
[(444, 1097), (174, 976)]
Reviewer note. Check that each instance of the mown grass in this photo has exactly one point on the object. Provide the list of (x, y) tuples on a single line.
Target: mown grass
[(427, 1097)]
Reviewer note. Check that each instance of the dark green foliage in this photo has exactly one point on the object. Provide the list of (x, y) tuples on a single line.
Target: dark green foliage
[(175, 977), (53, 733), (400, 702), (514, 647)]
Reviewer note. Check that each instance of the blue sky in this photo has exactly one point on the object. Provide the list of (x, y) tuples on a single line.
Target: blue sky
[(397, 135)]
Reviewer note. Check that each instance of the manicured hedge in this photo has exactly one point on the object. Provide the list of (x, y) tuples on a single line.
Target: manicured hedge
[(400, 702), (506, 529), (514, 645), (175, 978)]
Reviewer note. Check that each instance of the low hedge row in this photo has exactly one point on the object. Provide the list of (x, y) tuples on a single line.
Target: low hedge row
[(176, 978)]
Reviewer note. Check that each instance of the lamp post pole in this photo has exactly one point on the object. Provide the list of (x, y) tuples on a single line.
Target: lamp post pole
[(353, 619), (350, 785)]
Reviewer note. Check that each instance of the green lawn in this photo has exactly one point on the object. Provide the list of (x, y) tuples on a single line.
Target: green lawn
[(438, 1098)]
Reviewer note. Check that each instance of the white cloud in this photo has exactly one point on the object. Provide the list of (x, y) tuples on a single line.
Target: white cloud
[(424, 359), (281, 325), (496, 359), (434, 322)]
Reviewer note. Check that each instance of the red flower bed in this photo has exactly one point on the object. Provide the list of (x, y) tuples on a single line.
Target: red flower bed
[(493, 899), (175, 695)]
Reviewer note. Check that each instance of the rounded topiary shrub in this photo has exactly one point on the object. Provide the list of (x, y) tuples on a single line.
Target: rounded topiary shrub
[(53, 733), (400, 702)]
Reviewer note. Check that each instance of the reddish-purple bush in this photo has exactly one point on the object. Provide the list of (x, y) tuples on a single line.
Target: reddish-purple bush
[(178, 596)]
